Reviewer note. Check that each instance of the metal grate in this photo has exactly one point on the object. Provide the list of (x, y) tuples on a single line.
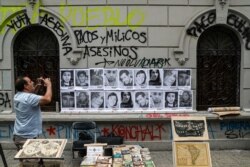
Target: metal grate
[(218, 68), (36, 53)]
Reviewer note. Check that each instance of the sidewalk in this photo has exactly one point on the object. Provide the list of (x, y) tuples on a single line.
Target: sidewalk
[(220, 158)]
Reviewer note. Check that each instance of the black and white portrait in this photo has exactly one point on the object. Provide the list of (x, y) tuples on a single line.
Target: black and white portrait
[(67, 78), (155, 78), (140, 78), (82, 99), (170, 78), (96, 78), (110, 78), (185, 98), (184, 78), (142, 99), (171, 99), (156, 99), (68, 99), (125, 78), (126, 100), (97, 100), (112, 100), (82, 78)]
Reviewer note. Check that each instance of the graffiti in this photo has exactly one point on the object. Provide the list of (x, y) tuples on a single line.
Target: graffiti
[(235, 129), (58, 29), (5, 100), (201, 24), (237, 22), (137, 132), (19, 21), (166, 115), (128, 56), (242, 26)]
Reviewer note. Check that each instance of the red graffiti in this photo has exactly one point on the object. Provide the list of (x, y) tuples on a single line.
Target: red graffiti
[(166, 115), (51, 130), (137, 132)]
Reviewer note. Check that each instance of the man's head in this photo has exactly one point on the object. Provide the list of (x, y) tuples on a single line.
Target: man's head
[(25, 84), (68, 99), (183, 77), (141, 99), (82, 76), (125, 77), (111, 75), (157, 97)]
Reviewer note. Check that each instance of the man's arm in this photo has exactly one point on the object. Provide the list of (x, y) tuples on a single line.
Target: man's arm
[(46, 98)]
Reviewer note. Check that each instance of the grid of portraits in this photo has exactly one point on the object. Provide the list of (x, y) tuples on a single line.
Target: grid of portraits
[(126, 89)]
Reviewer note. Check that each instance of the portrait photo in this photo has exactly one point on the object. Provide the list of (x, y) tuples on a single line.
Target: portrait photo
[(126, 78), (155, 78), (140, 78), (171, 99), (96, 78), (82, 78), (110, 78), (142, 99), (185, 98), (97, 99), (184, 78), (67, 78), (127, 101), (170, 78), (112, 100), (68, 99), (82, 99), (156, 99)]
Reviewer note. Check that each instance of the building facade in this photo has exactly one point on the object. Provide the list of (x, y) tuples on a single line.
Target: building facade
[(208, 38)]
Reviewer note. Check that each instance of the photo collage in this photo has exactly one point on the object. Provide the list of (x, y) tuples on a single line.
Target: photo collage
[(114, 90)]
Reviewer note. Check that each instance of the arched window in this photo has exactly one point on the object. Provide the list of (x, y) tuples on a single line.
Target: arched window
[(36, 53), (218, 68)]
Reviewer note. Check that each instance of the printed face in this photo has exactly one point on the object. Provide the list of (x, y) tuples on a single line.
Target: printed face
[(97, 101), (82, 96), (112, 100), (126, 97), (183, 79), (82, 78), (125, 78), (141, 100), (170, 78), (66, 76), (140, 78), (111, 75), (68, 101), (157, 97), (171, 98), (185, 96), (154, 74)]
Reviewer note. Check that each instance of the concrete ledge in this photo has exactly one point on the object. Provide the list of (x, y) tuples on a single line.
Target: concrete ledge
[(100, 117)]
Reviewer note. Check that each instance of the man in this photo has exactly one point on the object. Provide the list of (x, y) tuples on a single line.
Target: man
[(28, 123), (141, 99), (110, 77), (68, 99), (125, 78), (156, 100), (184, 77)]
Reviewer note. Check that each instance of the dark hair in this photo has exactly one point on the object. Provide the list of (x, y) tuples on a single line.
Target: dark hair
[(138, 94), (128, 104), (113, 94), (81, 72), (158, 79), (124, 71), (142, 72), (175, 103), (20, 82)]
